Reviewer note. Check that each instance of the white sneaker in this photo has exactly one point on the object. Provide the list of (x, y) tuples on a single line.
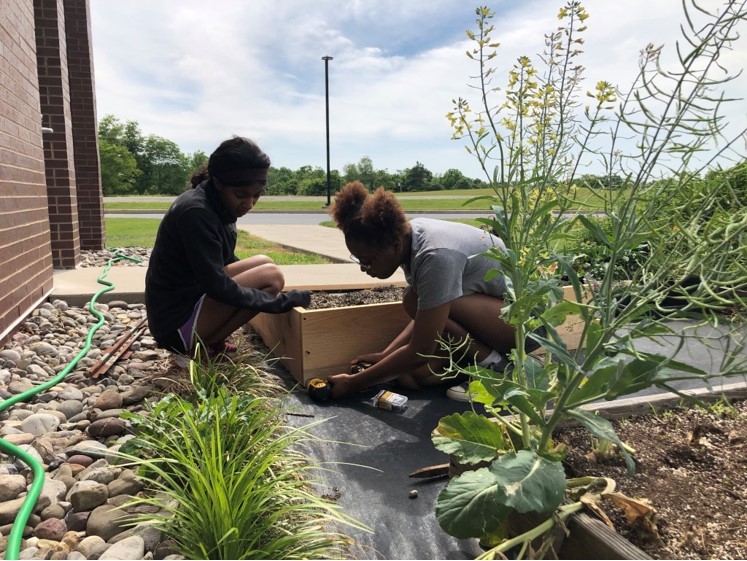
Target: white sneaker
[(499, 365), (460, 392)]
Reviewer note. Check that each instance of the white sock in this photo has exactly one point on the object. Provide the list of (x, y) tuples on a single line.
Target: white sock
[(493, 357)]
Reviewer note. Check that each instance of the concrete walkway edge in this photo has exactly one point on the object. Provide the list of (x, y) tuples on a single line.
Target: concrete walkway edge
[(77, 286)]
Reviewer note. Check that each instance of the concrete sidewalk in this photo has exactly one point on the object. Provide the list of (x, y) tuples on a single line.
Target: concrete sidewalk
[(77, 286)]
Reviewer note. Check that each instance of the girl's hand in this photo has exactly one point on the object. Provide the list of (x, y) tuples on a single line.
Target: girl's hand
[(343, 385), (371, 358)]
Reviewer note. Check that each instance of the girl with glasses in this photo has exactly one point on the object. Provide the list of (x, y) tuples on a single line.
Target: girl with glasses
[(448, 296)]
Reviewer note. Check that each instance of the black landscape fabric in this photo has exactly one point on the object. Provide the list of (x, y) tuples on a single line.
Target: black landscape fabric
[(369, 453)]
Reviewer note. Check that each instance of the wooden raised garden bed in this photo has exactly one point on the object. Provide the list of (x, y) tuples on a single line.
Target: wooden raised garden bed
[(320, 343)]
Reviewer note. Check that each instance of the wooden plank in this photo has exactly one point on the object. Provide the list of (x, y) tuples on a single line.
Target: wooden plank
[(333, 337), (590, 538), (319, 343), (282, 335), (622, 408), (587, 538)]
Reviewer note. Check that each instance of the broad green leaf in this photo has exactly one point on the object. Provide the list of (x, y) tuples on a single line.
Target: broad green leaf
[(633, 376), (469, 436), (647, 370), (530, 483), (602, 428), (477, 501), (478, 393), (538, 375), (672, 364), (518, 399), (598, 381), (470, 506)]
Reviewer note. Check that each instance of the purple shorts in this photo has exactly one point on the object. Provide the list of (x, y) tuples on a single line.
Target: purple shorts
[(187, 331)]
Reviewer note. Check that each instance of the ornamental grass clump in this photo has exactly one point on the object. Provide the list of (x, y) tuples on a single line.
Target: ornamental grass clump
[(662, 139), (227, 476)]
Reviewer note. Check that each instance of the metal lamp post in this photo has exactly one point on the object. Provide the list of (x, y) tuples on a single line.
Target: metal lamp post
[(326, 60)]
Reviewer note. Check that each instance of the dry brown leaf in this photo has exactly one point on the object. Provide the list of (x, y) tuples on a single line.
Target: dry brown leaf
[(639, 513), (593, 505), (635, 509)]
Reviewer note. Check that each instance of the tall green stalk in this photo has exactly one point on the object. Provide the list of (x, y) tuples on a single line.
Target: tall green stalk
[(658, 136)]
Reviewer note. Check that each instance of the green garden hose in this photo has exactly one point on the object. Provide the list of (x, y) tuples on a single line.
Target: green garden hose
[(16, 534)]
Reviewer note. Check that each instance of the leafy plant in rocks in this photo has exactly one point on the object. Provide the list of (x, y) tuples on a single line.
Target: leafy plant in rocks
[(228, 479), (532, 139)]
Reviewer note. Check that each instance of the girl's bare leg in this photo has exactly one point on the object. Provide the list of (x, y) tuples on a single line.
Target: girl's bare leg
[(216, 320)]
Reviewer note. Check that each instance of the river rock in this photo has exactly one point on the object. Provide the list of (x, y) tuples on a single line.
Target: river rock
[(19, 438), (29, 449), (51, 529), (80, 459), (91, 547), (70, 408), (9, 509), (53, 511), (71, 392), (103, 475), (20, 386), (40, 423), (136, 394), (109, 399), (77, 521), (43, 349), (11, 486), (91, 448), (87, 495), (54, 490), (129, 548), (106, 427), (10, 354), (106, 521)]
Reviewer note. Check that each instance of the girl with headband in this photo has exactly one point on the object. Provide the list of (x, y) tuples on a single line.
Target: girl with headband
[(196, 289)]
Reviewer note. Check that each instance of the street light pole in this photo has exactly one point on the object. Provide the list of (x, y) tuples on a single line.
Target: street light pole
[(326, 60)]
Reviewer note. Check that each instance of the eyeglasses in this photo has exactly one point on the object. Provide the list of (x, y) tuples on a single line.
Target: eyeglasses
[(363, 264)]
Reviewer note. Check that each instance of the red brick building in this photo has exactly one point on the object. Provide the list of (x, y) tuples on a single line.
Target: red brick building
[(51, 204)]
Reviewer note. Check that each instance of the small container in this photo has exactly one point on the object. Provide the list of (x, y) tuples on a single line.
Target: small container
[(389, 400), (319, 390)]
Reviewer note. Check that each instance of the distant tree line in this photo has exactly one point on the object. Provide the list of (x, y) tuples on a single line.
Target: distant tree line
[(134, 164)]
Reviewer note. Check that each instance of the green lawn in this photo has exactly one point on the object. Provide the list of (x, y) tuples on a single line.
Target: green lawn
[(141, 232), (424, 201)]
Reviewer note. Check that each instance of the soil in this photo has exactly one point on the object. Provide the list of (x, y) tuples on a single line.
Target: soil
[(322, 300), (691, 468)]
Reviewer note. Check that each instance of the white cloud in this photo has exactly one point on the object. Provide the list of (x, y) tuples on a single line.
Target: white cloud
[(197, 72)]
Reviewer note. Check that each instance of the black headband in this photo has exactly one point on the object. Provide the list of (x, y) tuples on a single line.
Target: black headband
[(245, 176)]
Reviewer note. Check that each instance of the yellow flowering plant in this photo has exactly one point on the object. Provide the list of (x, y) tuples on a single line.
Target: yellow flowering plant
[(534, 140)]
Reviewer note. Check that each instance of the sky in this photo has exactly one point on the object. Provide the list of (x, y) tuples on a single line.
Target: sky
[(199, 72)]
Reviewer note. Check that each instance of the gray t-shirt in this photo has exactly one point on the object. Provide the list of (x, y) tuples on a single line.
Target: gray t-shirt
[(445, 262)]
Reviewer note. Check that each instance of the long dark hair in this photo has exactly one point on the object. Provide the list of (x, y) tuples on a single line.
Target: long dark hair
[(236, 153)]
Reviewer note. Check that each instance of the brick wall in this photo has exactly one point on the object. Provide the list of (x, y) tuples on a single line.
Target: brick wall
[(83, 111), (25, 251), (54, 95)]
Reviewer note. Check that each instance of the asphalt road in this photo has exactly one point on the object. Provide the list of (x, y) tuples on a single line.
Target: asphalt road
[(258, 217)]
